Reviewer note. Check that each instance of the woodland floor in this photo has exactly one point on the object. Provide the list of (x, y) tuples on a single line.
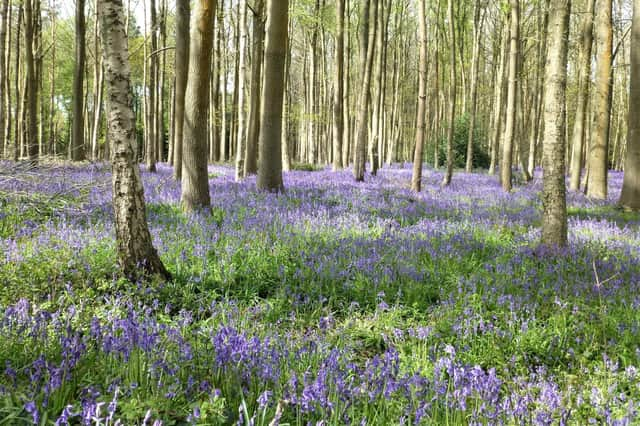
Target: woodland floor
[(337, 301)]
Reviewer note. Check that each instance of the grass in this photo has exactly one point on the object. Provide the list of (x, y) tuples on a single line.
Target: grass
[(322, 305)]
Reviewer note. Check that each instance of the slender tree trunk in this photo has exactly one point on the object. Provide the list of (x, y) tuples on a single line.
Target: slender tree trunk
[(183, 13), (270, 170), (579, 128), (630, 196), (4, 9), (136, 253), (473, 108), (554, 218), (452, 99), (338, 116), (509, 133), (416, 179), (77, 137), (195, 179), (598, 152), (240, 135), (251, 157), (367, 45), (150, 143), (31, 84)]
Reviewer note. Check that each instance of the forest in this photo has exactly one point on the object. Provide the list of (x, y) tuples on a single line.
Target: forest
[(311, 212)]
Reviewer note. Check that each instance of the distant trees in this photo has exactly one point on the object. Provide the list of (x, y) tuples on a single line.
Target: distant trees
[(136, 253)]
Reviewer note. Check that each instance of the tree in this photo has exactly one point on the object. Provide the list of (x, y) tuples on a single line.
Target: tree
[(4, 9), (367, 38), (416, 179), (77, 138), (195, 178), (509, 131), (270, 169), (452, 97), (473, 108), (630, 196), (251, 154), (554, 218), (134, 245), (580, 124), (241, 72), (31, 86), (598, 151), (338, 123), (181, 69)]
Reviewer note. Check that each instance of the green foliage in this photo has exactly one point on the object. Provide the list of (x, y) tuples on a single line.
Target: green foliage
[(481, 159)]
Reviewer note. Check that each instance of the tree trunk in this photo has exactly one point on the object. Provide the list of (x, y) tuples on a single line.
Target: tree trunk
[(251, 157), (509, 132), (473, 108), (195, 179), (499, 101), (77, 137), (554, 218), (31, 85), (452, 99), (368, 36), (416, 179), (630, 196), (270, 170), (136, 253), (580, 124), (338, 116), (598, 151), (182, 66), (4, 9), (240, 135)]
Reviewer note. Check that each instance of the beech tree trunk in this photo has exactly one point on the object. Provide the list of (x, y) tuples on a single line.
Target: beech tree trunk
[(136, 253), (452, 98), (195, 177), (581, 121), (598, 151), (270, 170), (416, 179), (554, 218), (338, 118), (251, 157), (31, 85), (182, 66), (368, 36), (630, 196), (509, 131)]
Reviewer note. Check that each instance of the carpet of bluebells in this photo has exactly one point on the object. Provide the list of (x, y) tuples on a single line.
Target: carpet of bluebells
[(335, 303)]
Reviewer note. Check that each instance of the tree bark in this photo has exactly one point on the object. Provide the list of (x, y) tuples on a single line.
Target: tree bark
[(630, 196), (598, 151), (195, 179), (136, 253), (240, 135), (416, 179), (251, 157), (338, 117), (554, 218), (368, 36), (579, 129), (509, 133), (182, 66), (270, 170), (452, 98), (31, 85), (473, 108)]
